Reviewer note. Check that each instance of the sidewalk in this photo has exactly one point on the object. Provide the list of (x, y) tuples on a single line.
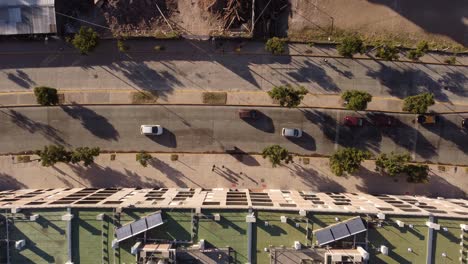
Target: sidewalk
[(195, 97), (244, 171)]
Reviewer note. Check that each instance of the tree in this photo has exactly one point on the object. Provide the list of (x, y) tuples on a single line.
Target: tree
[(287, 95), (122, 46), (52, 154), (417, 173), (387, 51), (418, 104), (46, 95), (356, 100), (85, 40), (143, 158), (275, 45), (393, 163), (420, 50), (84, 154), (347, 160), (276, 154), (351, 45)]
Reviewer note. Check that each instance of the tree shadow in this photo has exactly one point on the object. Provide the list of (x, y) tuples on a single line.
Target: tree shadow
[(306, 141), (95, 123), (7, 182), (262, 122), (450, 131), (171, 173), (21, 79), (242, 156), (432, 13), (366, 137), (105, 177), (32, 127), (167, 139), (454, 82), (344, 73), (315, 179), (312, 72), (407, 81), (324, 121)]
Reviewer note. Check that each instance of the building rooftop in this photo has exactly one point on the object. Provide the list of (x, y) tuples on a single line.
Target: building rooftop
[(19, 17)]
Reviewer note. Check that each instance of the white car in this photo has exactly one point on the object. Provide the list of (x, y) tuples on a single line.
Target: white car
[(291, 132), (151, 130)]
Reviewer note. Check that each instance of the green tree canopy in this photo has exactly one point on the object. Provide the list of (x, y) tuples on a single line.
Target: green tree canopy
[(356, 100), (351, 45), (417, 173), (287, 95), (46, 95), (143, 158), (387, 51), (276, 154), (347, 160), (84, 154), (85, 40), (392, 163), (418, 104), (52, 154), (275, 45)]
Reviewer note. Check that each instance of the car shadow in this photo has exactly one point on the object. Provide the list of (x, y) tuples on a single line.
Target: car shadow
[(262, 122), (167, 139), (306, 141)]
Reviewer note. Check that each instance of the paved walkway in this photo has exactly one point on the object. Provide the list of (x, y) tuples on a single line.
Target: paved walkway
[(195, 97), (194, 170)]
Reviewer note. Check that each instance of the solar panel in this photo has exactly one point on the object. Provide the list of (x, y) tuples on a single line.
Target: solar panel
[(356, 226), (324, 236), (139, 226), (340, 231), (123, 232), (154, 220)]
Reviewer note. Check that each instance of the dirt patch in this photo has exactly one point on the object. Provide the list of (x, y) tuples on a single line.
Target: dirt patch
[(145, 97), (215, 98)]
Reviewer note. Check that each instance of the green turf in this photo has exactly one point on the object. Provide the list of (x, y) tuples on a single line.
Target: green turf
[(448, 242), (46, 238), (398, 240)]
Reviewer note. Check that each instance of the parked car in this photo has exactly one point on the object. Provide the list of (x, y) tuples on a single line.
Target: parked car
[(353, 121), (464, 123), (383, 120), (427, 119), (248, 114), (155, 130), (291, 132)]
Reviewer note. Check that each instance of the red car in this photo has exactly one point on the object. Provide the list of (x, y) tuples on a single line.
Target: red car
[(383, 120), (353, 121)]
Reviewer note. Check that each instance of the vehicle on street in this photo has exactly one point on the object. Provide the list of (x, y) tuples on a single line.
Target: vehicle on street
[(383, 120), (248, 114), (291, 132), (353, 121), (464, 123), (153, 130), (427, 119)]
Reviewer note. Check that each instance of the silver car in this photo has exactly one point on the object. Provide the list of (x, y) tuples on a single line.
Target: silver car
[(155, 130), (291, 132)]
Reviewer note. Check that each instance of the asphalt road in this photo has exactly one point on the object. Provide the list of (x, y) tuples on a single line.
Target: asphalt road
[(211, 128)]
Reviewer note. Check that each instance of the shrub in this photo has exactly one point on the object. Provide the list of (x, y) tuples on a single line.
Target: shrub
[(288, 96), (46, 95), (122, 46), (420, 50), (275, 45), (387, 51), (356, 100), (418, 104), (52, 154), (85, 40), (276, 154), (451, 60), (143, 158), (417, 173), (351, 45), (174, 157), (392, 163), (347, 160)]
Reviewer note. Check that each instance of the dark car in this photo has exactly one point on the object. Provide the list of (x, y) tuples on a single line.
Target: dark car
[(427, 119), (383, 120), (248, 114), (353, 121)]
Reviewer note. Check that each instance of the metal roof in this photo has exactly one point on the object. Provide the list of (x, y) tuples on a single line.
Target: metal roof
[(19, 17)]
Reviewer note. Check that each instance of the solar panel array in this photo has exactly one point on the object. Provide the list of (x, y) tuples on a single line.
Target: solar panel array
[(339, 231), (139, 226)]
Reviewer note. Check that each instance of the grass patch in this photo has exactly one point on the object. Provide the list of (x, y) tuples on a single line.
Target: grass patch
[(145, 97), (215, 98), (305, 161), (441, 168), (24, 158), (174, 157)]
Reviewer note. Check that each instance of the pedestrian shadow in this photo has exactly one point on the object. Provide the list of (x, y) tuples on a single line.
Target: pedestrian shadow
[(95, 123), (167, 139), (262, 122), (21, 79)]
